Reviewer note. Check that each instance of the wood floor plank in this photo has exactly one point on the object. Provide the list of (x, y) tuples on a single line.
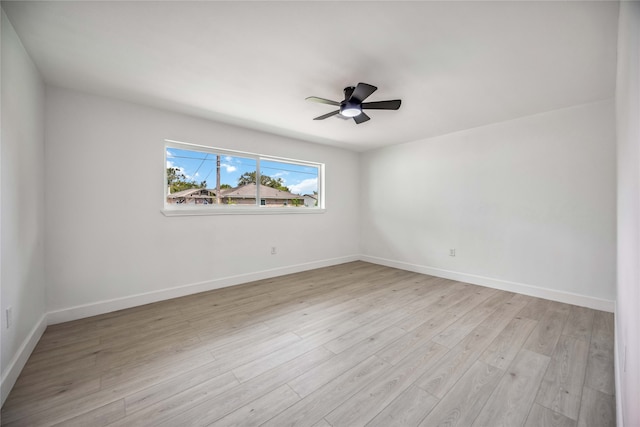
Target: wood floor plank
[(257, 349), (439, 380), (511, 401), (597, 409), (99, 417), (211, 410), (337, 365), (146, 351), (163, 390), (463, 326), (539, 416), (315, 406), (363, 406), (261, 409), (23, 406), (32, 384), (56, 339), (406, 410), (507, 344), (272, 360), (561, 387), (141, 375), (328, 322), (409, 342), (600, 374), (351, 338), (579, 323), (179, 402), (457, 300), (535, 309), (226, 339), (544, 337), (63, 353), (461, 405), (115, 386)]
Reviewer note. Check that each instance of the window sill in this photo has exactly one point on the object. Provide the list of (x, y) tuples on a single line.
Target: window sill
[(241, 211)]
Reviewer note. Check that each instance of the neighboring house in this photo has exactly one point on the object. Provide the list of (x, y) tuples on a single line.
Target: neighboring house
[(270, 197), (310, 200), (192, 196)]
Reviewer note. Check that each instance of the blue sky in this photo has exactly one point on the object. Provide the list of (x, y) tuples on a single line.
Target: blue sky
[(200, 166)]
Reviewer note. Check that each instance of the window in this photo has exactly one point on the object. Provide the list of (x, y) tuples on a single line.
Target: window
[(211, 180)]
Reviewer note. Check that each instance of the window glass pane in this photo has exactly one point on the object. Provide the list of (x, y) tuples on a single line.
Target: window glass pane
[(288, 184), (199, 178)]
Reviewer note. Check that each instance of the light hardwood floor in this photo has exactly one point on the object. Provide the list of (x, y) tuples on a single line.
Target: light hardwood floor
[(351, 345)]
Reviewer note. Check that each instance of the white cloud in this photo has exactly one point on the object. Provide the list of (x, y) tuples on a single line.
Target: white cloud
[(306, 186), (169, 153), (228, 158), (228, 168)]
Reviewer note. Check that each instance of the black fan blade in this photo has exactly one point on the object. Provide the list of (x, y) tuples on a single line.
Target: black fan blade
[(362, 92), (322, 101), (326, 116), (361, 118), (382, 105), (348, 91)]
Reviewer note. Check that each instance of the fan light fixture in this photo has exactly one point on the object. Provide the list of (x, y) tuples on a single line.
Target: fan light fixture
[(350, 110)]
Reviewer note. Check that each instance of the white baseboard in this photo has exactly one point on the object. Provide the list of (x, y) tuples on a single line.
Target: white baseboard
[(101, 307), (10, 376), (504, 285)]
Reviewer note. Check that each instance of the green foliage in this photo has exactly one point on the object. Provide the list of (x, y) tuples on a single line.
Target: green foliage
[(177, 181), (250, 178), (224, 186)]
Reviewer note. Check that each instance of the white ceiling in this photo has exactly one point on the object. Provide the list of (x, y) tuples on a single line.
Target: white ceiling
[(455, 65)]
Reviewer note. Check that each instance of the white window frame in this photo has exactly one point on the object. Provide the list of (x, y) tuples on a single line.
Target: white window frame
[(180, 210)]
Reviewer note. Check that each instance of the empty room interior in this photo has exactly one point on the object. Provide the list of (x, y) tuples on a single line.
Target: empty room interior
[(343, 213)]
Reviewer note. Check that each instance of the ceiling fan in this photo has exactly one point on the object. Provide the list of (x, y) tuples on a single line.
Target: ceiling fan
[(353, 104)]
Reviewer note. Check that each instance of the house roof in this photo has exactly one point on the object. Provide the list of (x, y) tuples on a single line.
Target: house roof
[(249, 192), (192, 192)]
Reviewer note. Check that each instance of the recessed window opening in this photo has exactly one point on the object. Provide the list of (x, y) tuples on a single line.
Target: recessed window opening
[(200, 177)]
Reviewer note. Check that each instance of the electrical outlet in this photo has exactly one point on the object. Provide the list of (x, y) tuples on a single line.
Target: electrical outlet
[(9, 318), (452, 252), (274, 250)]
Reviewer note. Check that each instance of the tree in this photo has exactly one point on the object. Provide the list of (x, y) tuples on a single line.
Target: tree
[(250, 178), (177, 181)]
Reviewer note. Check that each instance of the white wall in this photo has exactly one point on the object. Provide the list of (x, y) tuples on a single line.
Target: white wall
[(107, 238), (628, 286), (528, 204), (22, 205)]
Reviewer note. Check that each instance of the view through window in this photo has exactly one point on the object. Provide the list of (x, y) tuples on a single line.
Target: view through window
[(200, 177)]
